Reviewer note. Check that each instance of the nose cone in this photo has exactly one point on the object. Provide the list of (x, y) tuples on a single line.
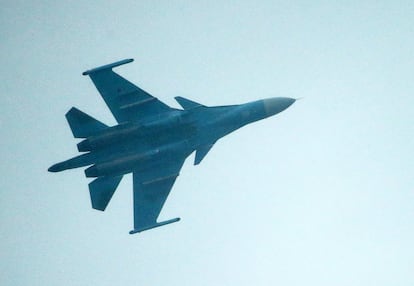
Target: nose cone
[(277, 104)]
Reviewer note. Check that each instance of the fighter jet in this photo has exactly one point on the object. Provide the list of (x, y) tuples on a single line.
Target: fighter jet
[(151, 141)]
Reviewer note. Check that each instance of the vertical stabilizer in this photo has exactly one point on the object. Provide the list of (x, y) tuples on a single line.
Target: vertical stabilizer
[(201, 153), (186, 103)]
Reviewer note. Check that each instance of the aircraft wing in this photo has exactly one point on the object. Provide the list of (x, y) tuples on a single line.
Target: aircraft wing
[(151, 189), (126, 101)]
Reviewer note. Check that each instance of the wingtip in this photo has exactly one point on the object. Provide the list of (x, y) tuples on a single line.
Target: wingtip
[(108, 66), (158, 224)]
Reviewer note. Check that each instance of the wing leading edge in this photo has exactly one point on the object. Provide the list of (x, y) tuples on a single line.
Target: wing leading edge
[(151, 189), (126, 101)]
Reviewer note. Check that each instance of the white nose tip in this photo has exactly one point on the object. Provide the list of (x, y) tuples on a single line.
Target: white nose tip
[(277, 104)]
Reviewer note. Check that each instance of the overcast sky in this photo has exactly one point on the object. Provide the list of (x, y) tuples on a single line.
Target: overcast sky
[(321, 194)]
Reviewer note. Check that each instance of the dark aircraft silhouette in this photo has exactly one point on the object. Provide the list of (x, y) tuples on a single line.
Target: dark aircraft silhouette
[(151, 140)]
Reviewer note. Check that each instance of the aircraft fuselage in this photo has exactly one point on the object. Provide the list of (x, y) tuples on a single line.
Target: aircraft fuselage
[(125, 147), (151, 141)]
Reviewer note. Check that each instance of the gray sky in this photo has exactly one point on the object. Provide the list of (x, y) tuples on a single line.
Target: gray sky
[(321, 194)]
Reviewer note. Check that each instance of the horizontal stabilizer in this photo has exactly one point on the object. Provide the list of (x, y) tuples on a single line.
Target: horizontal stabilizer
[(101, 191), (108, 66), (201, 153), (158, 224), (186, 103), (82, 124)]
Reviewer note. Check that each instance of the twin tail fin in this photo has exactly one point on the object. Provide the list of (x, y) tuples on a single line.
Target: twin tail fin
[(186, 103)]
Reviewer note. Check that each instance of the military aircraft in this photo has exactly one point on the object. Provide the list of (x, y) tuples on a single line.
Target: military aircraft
[(151, 141)]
